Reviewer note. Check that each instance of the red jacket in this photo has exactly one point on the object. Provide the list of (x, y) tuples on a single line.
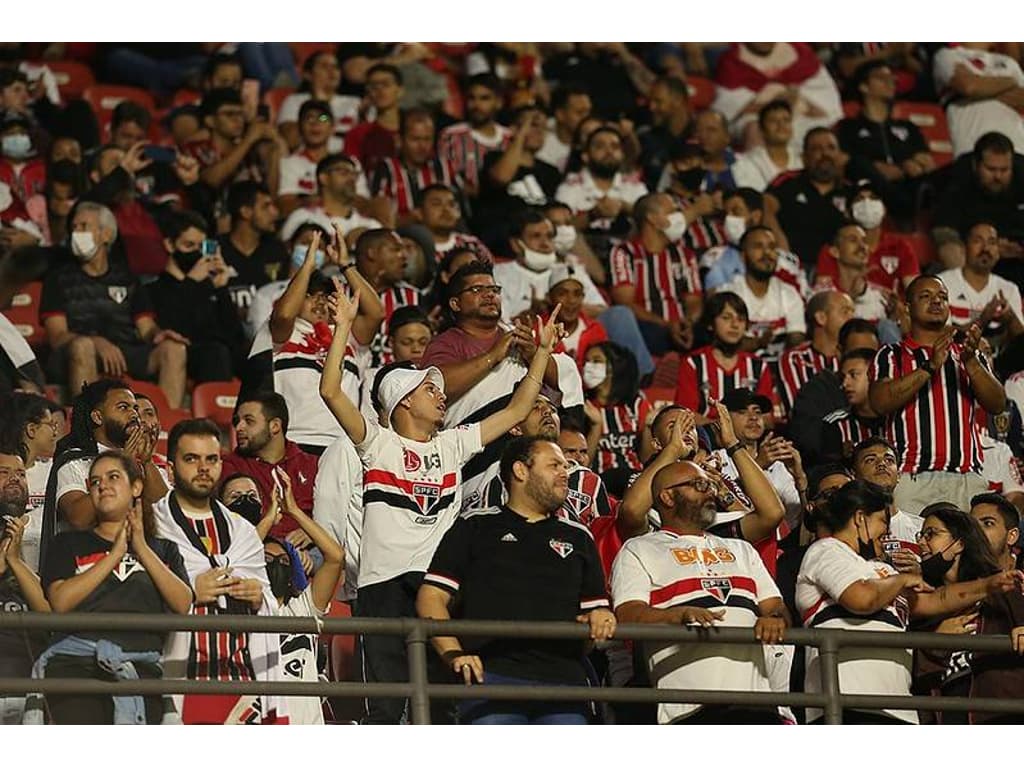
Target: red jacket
[(301, 468), (593, 333)]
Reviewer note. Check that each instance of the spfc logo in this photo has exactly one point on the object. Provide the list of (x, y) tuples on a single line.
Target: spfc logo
[(717, 588), (562, 548), (118, 293), (412, 460), (889, 264)]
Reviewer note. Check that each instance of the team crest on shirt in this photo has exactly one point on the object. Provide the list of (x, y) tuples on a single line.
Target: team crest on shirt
[(117, 292), (889, 264), (411, 460), (717, 588), (562, 548)]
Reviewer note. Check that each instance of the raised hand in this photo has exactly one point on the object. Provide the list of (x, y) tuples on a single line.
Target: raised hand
[(551, 332), (343, 309), (725, 427), (134, 160), (940, 349), (972, 338)]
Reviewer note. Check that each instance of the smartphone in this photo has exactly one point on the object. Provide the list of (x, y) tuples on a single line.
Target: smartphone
[(159, 154), (209, 247)]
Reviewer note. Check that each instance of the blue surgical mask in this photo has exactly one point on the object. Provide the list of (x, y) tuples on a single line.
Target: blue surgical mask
[(299, 256), (17, 146)]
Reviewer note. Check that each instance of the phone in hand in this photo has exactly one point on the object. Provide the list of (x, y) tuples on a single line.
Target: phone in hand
[(159, 154), (209, 247)]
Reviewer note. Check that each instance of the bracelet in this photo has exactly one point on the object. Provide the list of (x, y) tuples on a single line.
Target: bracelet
[(731, 450), (534, 378)]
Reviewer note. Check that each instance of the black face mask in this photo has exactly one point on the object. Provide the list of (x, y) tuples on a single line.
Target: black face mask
[(248, 507), (280, 575), (187, 260), (866, 549), (934, 568)]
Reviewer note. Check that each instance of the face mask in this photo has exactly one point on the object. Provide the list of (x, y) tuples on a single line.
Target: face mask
[(299, 256), (594, 374), (248, 507), (690, 179), (735, 226), (17, 146), (84, 246), (934, 568), (866, 549), (676, 226), (565, 238), (279, 574), (869, 213), (187, 260), (537, 261)]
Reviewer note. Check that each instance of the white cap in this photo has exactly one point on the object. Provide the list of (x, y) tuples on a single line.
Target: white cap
[(560, 273), (399, 383)]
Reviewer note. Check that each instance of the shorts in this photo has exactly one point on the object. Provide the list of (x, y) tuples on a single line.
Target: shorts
[(136, 357)]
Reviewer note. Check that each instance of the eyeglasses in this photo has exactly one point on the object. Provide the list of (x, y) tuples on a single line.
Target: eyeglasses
[(479, 290), (930, 533), (321, 118), (51, 423), (700, 485)]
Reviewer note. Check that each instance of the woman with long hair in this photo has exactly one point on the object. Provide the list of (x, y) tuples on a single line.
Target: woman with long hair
[(112, 567)]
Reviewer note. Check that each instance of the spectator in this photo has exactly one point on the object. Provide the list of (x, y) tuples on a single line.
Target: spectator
[(712, 134), (656, 276), (192, 300), (415, 167), (562, 580), (671, 123), (380, 258), (809, 206), (524, 281), (341, 183), (297, 178), (617, 409), (570, 106), (776, 310), (19, 368), (156, 181), (65, 183), (574, 249), (438, 210), (955, 551), (371, 142), (223, 70), (713, 371), (321, 77), (621, 75), (1000, 522), (98, 317), (646, 589), (451, 263), (759, 166), (149, 418), (465, 145), (891, 264), (407, 337), (749, 75), (982, 91), (20, 589), (115, 565), (21, 171), (847, 427), (826, 314), (874, 461), (929, 373), (566, 288), (413, 408)]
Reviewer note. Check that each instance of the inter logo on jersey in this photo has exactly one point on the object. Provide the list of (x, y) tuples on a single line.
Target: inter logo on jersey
[(562, 548), (717, 588)]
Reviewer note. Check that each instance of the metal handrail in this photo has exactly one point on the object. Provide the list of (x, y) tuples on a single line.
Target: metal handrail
[(420, 691)]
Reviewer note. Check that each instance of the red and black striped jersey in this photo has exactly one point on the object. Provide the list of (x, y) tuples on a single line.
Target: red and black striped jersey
[(936, 431), (620, 435), (797, 366), (399, 295), (464, 240), (394, 180), (464, 149), (704, 233), (843, 430), (662, 280), (587, 499), (702, 377)]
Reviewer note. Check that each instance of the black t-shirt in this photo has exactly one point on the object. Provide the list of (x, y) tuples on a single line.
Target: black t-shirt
[(107, 305), (808, 218), (127, 589), (820, 396), (505, 568), (18, 650), (497, 205), (197, 309), (892, 141), (613, 93), (268, 262)]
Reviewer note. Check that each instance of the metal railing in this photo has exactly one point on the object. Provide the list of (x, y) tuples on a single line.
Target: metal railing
[(419, 691)]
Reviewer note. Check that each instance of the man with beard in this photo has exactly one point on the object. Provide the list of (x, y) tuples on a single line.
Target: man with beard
[(775, 308), (263, 453), (809, 206), (682, 574), (928, 387), (340, 180), (874, 460), (466, 144), (225, 563), (519, 562)]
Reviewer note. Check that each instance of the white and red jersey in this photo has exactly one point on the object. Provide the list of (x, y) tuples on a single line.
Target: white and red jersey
[(580, 192), (662, 280), (780, 310), (869, 304), (1000, 466), (702, 377), (401, 184), (345, 110), (412, 493), (966, 304), (844, 429), (665, 569), (297, 174), (936, 431), (465, 148), (890, 263), (463, 240), (828, 569), (799, 365)]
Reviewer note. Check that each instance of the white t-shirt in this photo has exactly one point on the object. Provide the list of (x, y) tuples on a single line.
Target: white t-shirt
[(298, 177), (317, 215), (338, 505), (998, 467), (757, 170), (412, 493), (828, 569), (967, 304), (781, 309), (778, 475), (581, 193), (519, 285), (38, 475), (1015, 389), (969, 121), (554, 152), (664, 569), (344, 108), (298, 661)]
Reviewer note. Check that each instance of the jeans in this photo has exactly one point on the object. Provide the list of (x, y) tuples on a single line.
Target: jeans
[(161, 77), (485, 712), (622, 328), (267, 61)]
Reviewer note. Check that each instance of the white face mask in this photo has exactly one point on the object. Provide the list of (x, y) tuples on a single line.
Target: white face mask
[(594, 374), (537, 261), (735, 226), (565, 238), (676, 226), (84, 246), (869, 213)]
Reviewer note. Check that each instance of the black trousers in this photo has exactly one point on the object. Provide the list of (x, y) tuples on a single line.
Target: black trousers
[(79, 709)]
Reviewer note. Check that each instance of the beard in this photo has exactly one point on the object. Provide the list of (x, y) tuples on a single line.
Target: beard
[(548, 498), (760, 274), (823, 173), (704, 516), (192, 490), (13, 504), (256, 443), (603, 170), (117, 432)]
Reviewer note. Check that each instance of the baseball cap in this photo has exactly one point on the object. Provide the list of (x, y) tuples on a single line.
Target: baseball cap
[(562, 272), (400, 383), (741, 399)]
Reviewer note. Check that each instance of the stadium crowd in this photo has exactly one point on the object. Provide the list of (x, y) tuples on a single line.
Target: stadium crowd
[(694, 334)]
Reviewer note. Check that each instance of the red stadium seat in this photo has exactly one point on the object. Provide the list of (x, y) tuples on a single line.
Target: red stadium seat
[(851, 108), (185, 96), (302, 51), (105, 98), (73, 77), (702, 92), (154, 393), (931, 120), (215, 400), (659, 397), (24, 314), (274, 98)]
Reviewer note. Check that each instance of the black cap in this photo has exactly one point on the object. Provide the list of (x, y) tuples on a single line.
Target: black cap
[(741, 399), (9, 117)]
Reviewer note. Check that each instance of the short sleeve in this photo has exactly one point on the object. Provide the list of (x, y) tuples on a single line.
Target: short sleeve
[(52, 301), (171, 557), (831, 574), (290, 173), (794, 311), (465, 441), (72, 476), (883, 366), (621, 263), (373, 441), (767, 589), (630, 580), (451, 559), (142, 302), (60, 561), (593, 593)]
